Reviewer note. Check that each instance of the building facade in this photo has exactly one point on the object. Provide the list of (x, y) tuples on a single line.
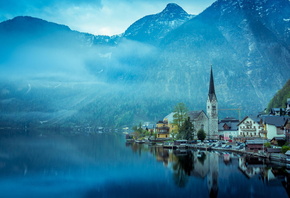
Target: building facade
[(200, 121), (212, 110), (162, 129), (228, 128), (274, 126), (249, 128)]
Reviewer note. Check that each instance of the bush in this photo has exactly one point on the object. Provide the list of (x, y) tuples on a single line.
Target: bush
[(285, 149), (267, 145)]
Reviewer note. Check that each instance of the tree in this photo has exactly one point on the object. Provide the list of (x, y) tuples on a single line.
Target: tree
[(186, 130), (280, 98), (180, 114), (201, 134), (139, 132)]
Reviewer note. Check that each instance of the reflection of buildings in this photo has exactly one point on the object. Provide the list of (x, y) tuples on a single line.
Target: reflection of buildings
[(201, 165), (212, 177), (185, 163), (227, 158), (206, 165), (251, 166), (165, 156)]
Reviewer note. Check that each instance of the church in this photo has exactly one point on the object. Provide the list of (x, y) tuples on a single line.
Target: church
[(207, 121)]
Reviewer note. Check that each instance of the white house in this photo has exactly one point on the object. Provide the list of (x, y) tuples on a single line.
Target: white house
[(274, 126), (228, 128), (249, 127)]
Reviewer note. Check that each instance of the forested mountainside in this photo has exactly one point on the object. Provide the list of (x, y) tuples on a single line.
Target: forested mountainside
[(53, 76)]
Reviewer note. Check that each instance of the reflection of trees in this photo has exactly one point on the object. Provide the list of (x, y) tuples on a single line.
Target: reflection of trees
[(182, 168), (161, 154), (139, 148), (202, 158)]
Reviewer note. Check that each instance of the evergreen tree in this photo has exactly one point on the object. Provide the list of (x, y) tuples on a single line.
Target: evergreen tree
[(186, 130), (201, 134)]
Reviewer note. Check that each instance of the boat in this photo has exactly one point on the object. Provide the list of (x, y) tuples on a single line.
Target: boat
[(168, 145), (129, 140), (140, 141), (288, 157), (180, 143), (159, 140)]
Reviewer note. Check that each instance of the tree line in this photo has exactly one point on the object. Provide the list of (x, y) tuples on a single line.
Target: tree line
[(185, 128)]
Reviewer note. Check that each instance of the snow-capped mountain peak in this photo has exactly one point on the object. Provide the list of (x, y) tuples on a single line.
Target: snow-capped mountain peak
[(152, 28)]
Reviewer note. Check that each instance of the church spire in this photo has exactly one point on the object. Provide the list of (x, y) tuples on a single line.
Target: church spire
[(211, 90)]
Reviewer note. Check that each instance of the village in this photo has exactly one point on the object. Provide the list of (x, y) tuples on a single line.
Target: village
[(265, 135)]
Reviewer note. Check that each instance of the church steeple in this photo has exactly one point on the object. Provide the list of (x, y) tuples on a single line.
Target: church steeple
[(212, 109), (211, 90)]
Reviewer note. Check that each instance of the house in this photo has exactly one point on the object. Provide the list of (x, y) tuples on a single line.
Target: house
[(287, 109), (162, 129), (149, 127), (228, 128), (200, 121), (287, 130), (278, 141), (274, 126), (249, 128), (255, 145), (173, 128), (277, 111)]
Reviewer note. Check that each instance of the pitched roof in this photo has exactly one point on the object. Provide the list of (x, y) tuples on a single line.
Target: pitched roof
[(277, 121), (195, 114), (252, 118), (278, 138), (211, 90), (231, 123), (169, 117)]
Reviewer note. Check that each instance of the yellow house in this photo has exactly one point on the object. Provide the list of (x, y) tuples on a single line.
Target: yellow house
[(166, 127), (162, 129), (172, 127)]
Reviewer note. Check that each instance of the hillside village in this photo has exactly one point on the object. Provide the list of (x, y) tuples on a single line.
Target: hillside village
[(272, 128)]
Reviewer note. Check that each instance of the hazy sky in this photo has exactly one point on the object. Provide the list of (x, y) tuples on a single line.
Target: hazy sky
[(107, 17)]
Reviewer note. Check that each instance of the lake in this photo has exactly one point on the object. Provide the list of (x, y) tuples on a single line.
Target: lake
[(102, 165)]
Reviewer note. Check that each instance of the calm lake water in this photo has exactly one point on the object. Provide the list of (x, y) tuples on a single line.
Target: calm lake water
[(102, 165)]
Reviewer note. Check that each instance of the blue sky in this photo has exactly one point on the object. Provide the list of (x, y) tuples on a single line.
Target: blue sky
[(107, 17)]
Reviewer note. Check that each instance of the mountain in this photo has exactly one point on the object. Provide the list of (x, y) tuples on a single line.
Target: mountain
[(53, 76), (26, 29), (250, 56), (280, 98), (152, 28)]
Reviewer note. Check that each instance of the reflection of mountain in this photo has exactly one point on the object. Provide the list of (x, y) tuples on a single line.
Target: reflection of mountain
[(50, 153)]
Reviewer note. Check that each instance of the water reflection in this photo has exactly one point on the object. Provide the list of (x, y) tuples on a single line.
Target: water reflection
[(231, 172), (51, 164)]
